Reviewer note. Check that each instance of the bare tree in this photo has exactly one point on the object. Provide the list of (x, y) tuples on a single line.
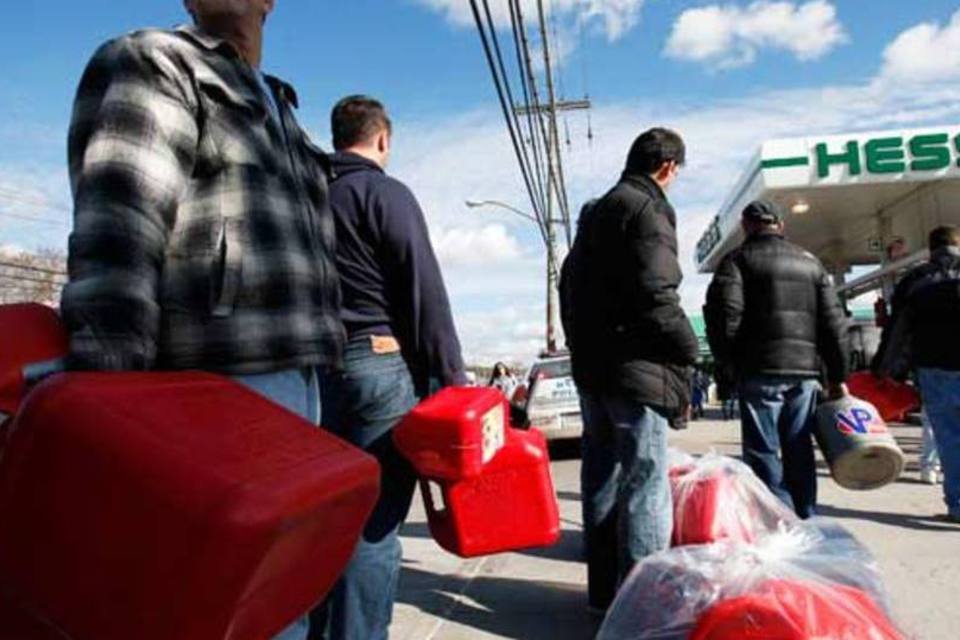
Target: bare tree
[(32, 277)]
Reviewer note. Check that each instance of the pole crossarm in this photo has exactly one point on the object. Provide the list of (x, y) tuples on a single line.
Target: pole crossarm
[(565, 105)]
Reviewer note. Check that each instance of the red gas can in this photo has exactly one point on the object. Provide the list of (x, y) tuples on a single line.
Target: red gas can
[(160, 506), (455, 432), (796, 610), (511, 504), (487, 487), (894, 400), (30, 335)]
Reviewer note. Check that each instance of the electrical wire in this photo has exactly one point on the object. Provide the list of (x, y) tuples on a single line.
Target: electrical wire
[(534, 142), (505, 107), (13, 265), (515, 121)]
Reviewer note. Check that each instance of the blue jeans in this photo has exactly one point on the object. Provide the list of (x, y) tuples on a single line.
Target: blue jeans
[(296, 390), (627, 507), (776, 417), (362, 405), (929, 458), (940, 390)]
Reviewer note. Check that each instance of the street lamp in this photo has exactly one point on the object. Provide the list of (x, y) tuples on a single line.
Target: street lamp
[(475, 204), (553, 277)]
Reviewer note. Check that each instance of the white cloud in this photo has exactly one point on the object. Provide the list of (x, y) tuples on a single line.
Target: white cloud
[(460, 246), (727, 36), (493, 262), (469, 157), (615, 17), (924, 53)]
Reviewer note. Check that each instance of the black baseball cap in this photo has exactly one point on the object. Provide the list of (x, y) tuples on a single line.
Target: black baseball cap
[(763, 211)]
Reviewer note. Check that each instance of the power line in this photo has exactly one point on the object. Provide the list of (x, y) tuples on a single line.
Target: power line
[(532, 141), (515, 120), (23, 197), (18, 279), (36, 219), (26, 267), (503, 101)]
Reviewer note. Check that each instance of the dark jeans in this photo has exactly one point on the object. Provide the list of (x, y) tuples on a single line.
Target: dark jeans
[(362, 405), (627, 507), (777, 414), (941, 397)]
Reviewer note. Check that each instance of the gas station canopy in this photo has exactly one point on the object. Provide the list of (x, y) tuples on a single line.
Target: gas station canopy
[(847, 197)]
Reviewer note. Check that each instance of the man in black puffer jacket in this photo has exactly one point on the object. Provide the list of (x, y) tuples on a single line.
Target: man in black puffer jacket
[(774, 319), (631, 347), (922, 337)]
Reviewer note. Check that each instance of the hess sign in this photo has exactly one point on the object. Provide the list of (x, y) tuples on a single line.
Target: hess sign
[(895, 154), (884, 155)]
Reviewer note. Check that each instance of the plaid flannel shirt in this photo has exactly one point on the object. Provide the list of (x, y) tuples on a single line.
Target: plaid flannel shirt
[(203, 237)]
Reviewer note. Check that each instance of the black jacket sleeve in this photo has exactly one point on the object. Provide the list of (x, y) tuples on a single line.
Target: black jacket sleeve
[(832, 336), (723, 312), (656, 277), (894, 356), (418, 299)]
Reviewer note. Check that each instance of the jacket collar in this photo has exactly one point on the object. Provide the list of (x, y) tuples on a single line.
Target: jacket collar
[(204, 39), (946, 256), (213, 43), (346, 162), (764, 234), (644, 183)]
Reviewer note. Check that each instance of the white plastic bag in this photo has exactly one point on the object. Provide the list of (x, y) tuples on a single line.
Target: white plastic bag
[(809, 580), (719, 498)]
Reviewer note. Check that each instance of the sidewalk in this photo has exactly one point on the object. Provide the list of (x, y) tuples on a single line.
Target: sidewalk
[(541, 594)]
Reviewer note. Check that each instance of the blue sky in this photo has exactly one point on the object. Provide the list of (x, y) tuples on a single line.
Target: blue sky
[(728, 73)]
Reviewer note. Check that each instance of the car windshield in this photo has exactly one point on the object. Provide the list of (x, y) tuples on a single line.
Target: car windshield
[(552, 369)]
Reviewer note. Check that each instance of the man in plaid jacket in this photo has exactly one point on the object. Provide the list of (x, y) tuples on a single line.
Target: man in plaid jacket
[(202, 237)]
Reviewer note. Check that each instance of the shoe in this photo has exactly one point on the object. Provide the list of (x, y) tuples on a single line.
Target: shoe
[(930, 475)]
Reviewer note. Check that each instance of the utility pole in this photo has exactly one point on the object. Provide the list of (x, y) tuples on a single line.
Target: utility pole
[(543, 176), (556, 191)]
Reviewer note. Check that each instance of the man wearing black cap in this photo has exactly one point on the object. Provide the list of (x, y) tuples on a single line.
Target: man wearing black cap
[(773, 321)]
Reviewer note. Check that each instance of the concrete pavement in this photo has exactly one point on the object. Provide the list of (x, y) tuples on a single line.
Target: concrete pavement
[(541, 594)]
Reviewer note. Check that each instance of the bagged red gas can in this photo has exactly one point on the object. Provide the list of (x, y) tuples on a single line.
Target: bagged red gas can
[(455, 432), (719, 498), (510, 505), (30, 336), (894, 400), (796, 610), (486, 486), (182, 505)]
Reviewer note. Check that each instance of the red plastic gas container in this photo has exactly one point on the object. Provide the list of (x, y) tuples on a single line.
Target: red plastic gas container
[(710, 512), (17, 624), (510, 505), (182, 505), (30, 334), (718, 498), (455, 432), (894, 400), (796, 610), (486, 486)]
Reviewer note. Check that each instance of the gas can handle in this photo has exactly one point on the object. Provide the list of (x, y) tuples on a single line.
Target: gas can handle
[(37, 371)]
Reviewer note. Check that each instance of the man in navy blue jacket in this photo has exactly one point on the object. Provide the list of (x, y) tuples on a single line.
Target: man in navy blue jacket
[(401, 344)]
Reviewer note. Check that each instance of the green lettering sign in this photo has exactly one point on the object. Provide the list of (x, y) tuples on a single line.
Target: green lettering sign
[(930, 152), (851, 158), (885, 155)]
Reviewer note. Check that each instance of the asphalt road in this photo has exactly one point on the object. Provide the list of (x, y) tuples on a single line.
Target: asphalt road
[(541, 594)]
